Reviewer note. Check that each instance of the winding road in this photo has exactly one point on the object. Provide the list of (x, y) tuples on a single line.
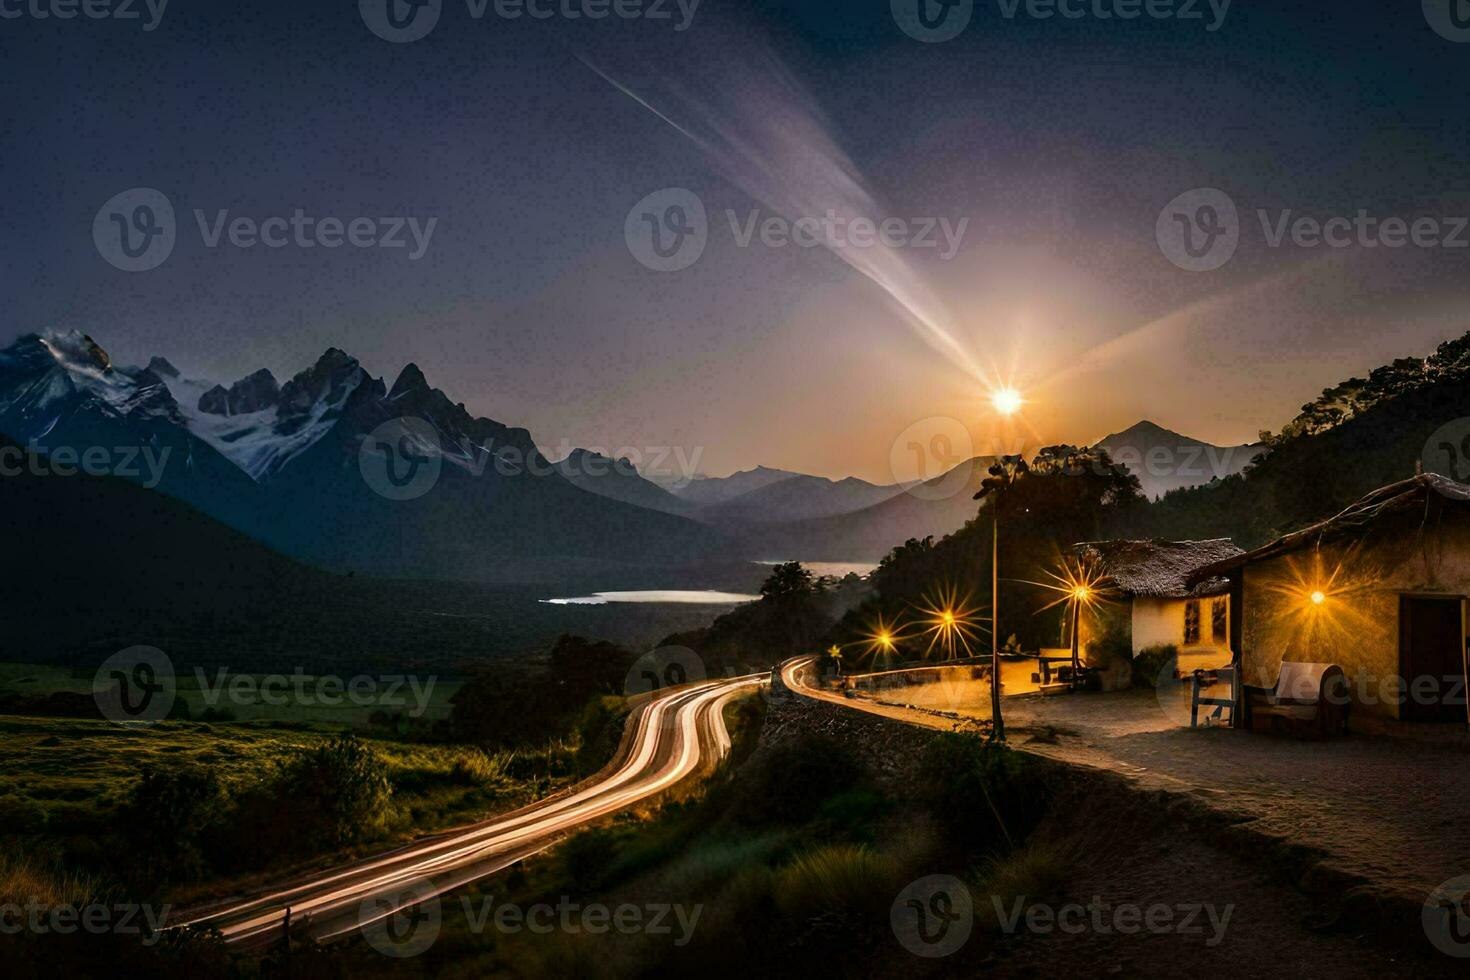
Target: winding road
[(667, 739)]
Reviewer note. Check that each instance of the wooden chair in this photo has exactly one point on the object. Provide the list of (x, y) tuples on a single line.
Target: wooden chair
[(1197, 686)]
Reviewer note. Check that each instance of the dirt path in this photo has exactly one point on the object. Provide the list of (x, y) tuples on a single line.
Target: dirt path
[(1368, 826), (1132, 852)]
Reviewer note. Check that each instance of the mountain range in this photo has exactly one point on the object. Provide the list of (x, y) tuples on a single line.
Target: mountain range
[(307, 466), (287, 465)]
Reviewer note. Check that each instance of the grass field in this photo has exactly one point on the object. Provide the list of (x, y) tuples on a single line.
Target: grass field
[(64, 782)]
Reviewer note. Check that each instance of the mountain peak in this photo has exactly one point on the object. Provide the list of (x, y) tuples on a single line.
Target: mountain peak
[(409, 379), (335, 357), (1143, 427), (161, 367), (594, 462), (76, 348), (333, 377)]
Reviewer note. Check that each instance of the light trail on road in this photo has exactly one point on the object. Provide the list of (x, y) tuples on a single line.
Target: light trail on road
[(672, 737)]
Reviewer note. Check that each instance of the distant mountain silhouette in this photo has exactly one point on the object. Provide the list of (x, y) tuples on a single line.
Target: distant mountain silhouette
[(707, 491), (1355, 437), (938, 507), (796, 498), (1164, 460), (618, 479), (99, 563)]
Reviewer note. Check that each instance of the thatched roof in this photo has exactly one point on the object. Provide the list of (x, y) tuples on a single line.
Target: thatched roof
[(1163, 569), (1415, 492)]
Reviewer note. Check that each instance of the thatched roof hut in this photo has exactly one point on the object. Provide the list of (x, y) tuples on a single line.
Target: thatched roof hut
[(1160, 569)]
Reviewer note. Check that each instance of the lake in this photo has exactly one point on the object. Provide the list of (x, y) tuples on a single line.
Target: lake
[(837, 569), (680, 596)]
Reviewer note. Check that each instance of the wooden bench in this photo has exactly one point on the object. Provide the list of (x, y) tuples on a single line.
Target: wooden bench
[(1043, 675), (1308, 699)]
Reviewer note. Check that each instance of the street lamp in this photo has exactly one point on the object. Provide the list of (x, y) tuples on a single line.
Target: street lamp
[(1080, 596), (1005, 473), (1078, 584), (835, 652), (948, 621)]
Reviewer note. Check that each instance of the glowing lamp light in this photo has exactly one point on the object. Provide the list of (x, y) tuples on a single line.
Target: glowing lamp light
[(1006, 401), (1318, 598), (948, 618), (1082, 593)]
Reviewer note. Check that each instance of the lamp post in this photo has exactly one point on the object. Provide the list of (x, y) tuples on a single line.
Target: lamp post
[(1079, 595), (996, 720), (1005, 473)]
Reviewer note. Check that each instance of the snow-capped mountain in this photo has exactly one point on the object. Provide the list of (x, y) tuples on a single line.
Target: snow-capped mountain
[(282, 463), (62, 390)]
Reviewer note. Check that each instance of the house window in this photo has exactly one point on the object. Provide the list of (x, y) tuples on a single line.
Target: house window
[(1191, 623), (1220, 620)]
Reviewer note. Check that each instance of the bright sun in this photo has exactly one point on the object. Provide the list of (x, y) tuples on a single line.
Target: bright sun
[(1007, 401)]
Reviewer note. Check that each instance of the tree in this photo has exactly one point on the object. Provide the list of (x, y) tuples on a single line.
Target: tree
[(342, 787), (506, 708), (789, 581), (173, 811)]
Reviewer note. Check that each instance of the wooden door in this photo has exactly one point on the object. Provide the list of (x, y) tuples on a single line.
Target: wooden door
[(1431, 640)]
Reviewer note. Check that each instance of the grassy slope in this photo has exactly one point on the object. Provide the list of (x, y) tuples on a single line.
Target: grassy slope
[(62, 781)]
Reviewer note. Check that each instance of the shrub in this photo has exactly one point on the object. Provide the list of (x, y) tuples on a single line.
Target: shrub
[(474, 767), (834, 879), (982, 791), (1036, 871), (21, 814), (25, 880), (172, 812), (599, 730), (788, 782), (339, 790), (1150, 663)]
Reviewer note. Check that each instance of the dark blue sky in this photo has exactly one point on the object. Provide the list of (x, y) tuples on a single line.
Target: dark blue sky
[(1061, 141)]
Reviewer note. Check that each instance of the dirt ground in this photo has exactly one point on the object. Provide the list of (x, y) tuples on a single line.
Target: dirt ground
[(1371, 825), (1135, 851)]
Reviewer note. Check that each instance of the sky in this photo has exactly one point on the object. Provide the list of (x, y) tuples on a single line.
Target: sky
[(1057, 145)]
